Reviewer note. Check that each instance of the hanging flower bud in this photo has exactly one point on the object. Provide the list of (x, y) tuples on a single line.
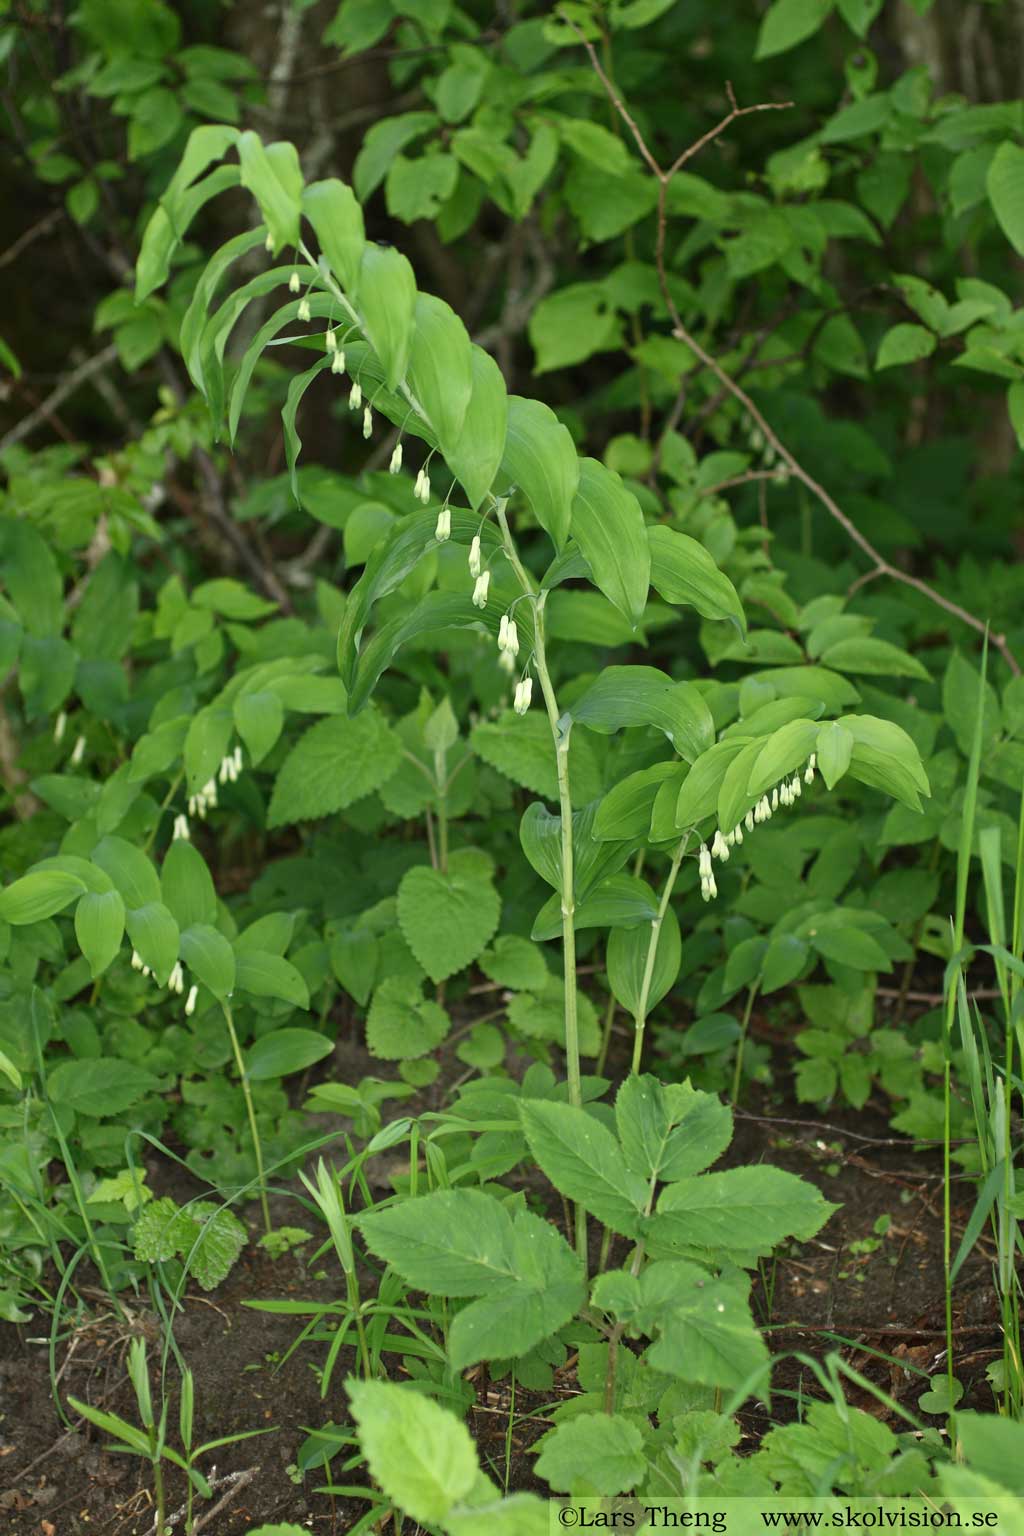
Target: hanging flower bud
[(737, 834), (523, 695), (507, 662), (60, 725), (786, 795), (367, 422), (475, 563), (425, 491), (181, 829), (210, 793), (355, 397), (796, 789), (775, 799), (268, 244), (330, 340), (443, 530), (293, 283), (238, 760), (748, 821), (136, 960), (708, 888), (719, 847), (176, 980), (190, 1001), (78, 752), (396, 460), (480, 589), (338, 363), (304, 312), (502, 630), (512, 638), (812, 763), (704, 861)]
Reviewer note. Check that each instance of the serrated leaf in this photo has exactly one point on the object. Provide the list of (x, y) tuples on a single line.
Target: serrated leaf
[(336, 762), (99, 1086), (446, 920), (584, 1162), (593, 1453), (670, 1132), (749, 1209), (418, 1452)]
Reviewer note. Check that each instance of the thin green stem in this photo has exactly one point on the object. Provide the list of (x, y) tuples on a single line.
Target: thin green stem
[(737, 1075), (560, 737), (640, 1017), (250, 1110), (441, 788)]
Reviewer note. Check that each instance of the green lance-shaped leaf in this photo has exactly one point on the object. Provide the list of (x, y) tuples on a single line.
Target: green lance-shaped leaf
[(131, 871), (387, 299), (630, 696), (168, 225), (884, 756), (274, 177), (39, 895), (207, 143), (785, 750), (99, 928), (699, 792), (441, 368), (337, 219), (292, 441), (321, 306), (187, 886), (217, 331), (682, 571), (465, 1243), (194, 322), (285, 1051), (584, 1162), (627, 962), (436, 611), (208, 954), (155, 936), (834, 747), (476, 458), (540, 460), (269, 975), (608, 526), (625, 811), (619, 901), (206, 745)]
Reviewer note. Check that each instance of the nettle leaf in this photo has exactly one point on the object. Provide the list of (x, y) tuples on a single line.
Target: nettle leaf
[(745, 1210), (631, 696), (99, 1086), (387, 298), (284, 1051), (337, 219), (207, 1237), (584, 1162), (99, 928), (441, 368), (670, 1131), (336, 762), (402, 1024), (417, 1452), (464, 1243), (540, 460), (626, 963), (515, 963), (593, 1453), (682, 571), (608, 525), (446, 919), (522, 750)]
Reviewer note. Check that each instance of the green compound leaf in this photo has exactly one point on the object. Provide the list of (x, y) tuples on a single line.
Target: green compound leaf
[(593, 1453), (745, 1210), (670, 1131), (420, 1454), (337, 761), (464, 1243), (446, 920)]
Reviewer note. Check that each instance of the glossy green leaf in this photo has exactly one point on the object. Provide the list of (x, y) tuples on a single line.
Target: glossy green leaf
[(441, 368), (631, 696), (210, 957), (39, 895), (99, 928), (476, 457), (627, 960), (337, 219), (682, 571), (540, 460), (285, 1051), (608, 526), (387, 299), (274, 177)]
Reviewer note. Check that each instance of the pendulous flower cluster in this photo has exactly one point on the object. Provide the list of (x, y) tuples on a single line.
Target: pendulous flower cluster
[(785, 794)]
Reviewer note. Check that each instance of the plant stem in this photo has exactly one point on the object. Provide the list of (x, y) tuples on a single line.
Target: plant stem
[(441, 785), (748, 1009), (640, 1017), (561, 741), (250, 1110)]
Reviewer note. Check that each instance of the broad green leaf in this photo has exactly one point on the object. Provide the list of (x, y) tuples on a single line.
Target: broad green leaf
[(584, 1162), (194, 322), (515, 963), (682, 571), (206, 746), (387, 297), (446, 920), (780, 755), (608, 526), (354, 954), (540, 460), (465, 1243), (337, 761), (631, 696), (699, 792), (785, 959), (852, 947), (904, 343), (441, 369), (99, 1086), (320, 306), (403, 1025), (476, 458), (789, 22), (572, 324), (154, 936), (626, 964), (1005, 184), (884, 756), (168, 224), (383, 141), (285, 1051), (269, 975), (749, 1210), (593, 1453), (433, 613), (419, 1453), (540, 836), (872, 658), (38, 896), (834, 748), (259, 718), (187, 886), (99, 928), (617, 902), (272, 174), (625, 811), (209, 955), (670, 1132), (336, 217), (522, 750), (31, 576)]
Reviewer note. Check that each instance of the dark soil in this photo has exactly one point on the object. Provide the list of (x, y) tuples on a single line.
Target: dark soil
[(880, 1303)]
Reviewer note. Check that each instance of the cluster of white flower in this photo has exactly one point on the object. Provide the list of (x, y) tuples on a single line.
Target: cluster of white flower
[(421, 490), (443, 527), (355, 396), (338, 360), (396, 460), (480, 589), (138, 964), (230, 767), (203, 800), (60, 725), (175, 981), (523, 695), (508, 636), (304, 312), (785, 794), (181, 829)]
